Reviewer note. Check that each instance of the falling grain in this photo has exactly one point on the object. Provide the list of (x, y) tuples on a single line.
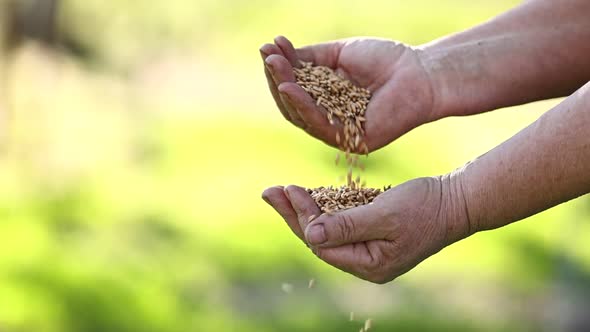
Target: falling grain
[(345, 103), (340, 97), (287, 287)]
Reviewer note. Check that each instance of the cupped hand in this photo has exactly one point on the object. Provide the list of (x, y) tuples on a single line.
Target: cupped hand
[(402, 92), (380, 241)]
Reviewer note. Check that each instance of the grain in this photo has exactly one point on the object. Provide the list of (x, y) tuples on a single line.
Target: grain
[(287, 287), (331, 199), (345, 105), (341, 99), (311, 283), (368, 324)]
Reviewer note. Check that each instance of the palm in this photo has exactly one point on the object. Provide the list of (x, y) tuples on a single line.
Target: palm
[(402, 97), (401, 91)]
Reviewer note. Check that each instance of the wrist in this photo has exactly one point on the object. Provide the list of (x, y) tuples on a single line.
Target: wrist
[(455, 208), (438, 71), (458, 79)]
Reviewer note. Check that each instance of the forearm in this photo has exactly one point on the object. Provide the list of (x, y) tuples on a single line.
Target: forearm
[(536, 51), (544, 165)]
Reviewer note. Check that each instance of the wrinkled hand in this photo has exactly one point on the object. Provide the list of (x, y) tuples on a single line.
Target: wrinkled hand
[(402, 93), (380, 241)]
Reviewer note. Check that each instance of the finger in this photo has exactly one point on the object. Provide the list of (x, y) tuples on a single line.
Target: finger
[(303, 204), (282, 71), (351, 258), (269, 49), (324, 54), (363, 223), (363, 259), (288, 50), (265, 51), (280, 68), (292, 111), (314, 116), (276, 96), (275, 196)]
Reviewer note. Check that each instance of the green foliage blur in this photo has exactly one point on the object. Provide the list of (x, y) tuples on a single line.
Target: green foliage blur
[(131, 172)]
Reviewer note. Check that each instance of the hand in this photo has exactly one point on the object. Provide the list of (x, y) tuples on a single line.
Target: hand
[(383, 240), (402, 92)]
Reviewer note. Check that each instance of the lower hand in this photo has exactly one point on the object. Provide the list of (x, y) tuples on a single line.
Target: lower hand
[(383, 240)]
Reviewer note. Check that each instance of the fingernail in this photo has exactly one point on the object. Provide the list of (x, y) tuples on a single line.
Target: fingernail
[(266, 199), (284, 95), (316, 235), (287, 99), (267, 62), (270, 70)]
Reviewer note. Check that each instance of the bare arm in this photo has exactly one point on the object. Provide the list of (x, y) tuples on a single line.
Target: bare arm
[(544, 165), (538, 50)]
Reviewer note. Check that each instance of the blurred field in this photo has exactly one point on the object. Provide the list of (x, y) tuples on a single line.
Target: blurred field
[(131, 176)]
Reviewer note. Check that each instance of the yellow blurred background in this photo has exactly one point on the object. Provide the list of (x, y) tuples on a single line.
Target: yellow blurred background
[(137, 138)]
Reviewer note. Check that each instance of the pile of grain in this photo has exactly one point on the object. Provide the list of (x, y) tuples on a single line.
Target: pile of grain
[(331, 199), (345, 105)]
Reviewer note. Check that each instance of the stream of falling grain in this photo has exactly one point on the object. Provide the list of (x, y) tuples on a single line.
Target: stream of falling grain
[(345, 105)]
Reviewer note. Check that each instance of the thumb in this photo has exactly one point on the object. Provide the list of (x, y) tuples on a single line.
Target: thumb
[(363, 223)]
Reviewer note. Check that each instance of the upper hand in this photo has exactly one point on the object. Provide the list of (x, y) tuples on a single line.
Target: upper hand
[(402, 92)]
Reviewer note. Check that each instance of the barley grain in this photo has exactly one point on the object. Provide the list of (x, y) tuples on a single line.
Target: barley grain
[(345, 105), (337, 95), (332, 199)]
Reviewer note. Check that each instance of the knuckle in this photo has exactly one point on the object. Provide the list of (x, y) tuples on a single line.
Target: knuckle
[(380, 279), (379, 276), (346, 227), (318, 252), (375, 265), (286, 116), (298, 124), (304, 211), (376, 269)]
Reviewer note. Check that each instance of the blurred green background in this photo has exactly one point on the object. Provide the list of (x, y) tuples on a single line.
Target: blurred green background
[(136, 142)]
